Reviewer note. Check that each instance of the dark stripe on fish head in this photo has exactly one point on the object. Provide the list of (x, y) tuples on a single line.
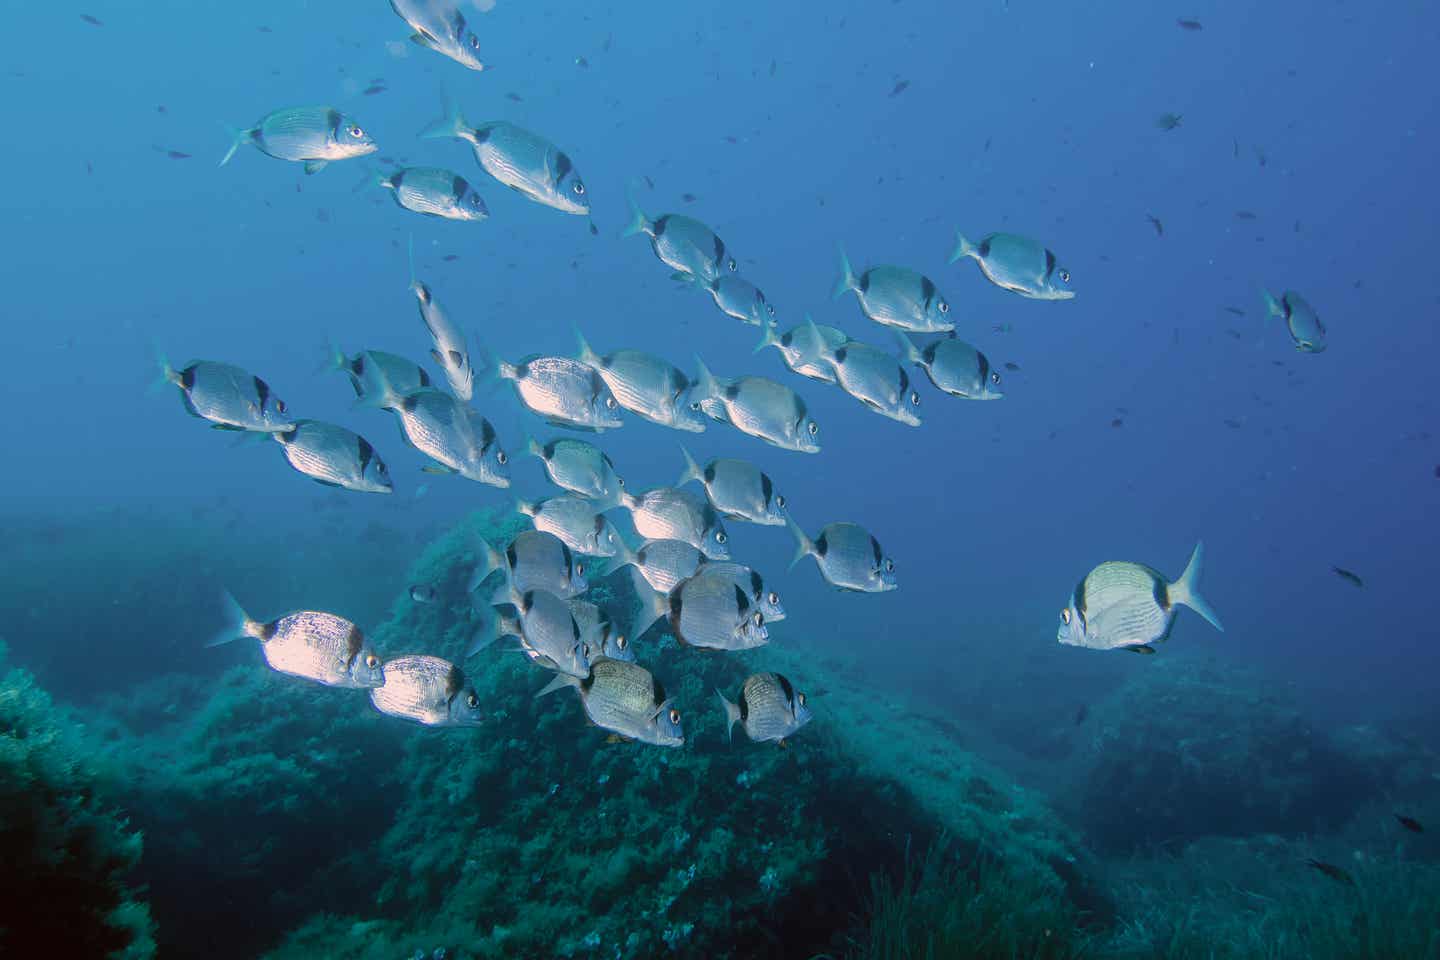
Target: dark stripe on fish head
[(569, 560), (366, 453), (719, 252), (599, 523), (1049, 263), (458, 24), (454, 682), (563, 166), (788, 690), (757, 586), (904, 383), (357, 366), (744, 707), (510, 556), (878, 553), (1080, 603), (527, 601), (333, 119), (927, 291), (659, 697), (354, 642), (588, 682), (661, 224), (984, 367), (767, 488), (458, 186), (487, 434)]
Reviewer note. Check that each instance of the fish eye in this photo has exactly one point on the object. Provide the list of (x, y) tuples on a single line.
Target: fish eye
[(502, 458), (914, 399), (473, 701), (720, 536), (356, 132), (694, 404), (674, 715), (995, 378), (801, 698), (733, 265), (280, 405), (474, 42), (372, 661), (814, 428), (758, 619), (579, 569), (620, 481), (621, 642), (1065, 615), (579, 188), (889, 566), (381, 469), (610, 403), (1064, 276), (770, 309), (944, 307), (774, 598), (780, 501)]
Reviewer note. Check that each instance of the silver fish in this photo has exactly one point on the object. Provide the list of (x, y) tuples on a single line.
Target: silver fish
[(1018, 264), (770, 708), (737, 489), (712, 611), (741, 299), (602, 635), (579, 467), (380, 379), (439, 25), (575, 521), (310, 135), (335, 457), (450, 351), (665, 564), (877, 380), (1131, 606), (646, 386), (230, 398), (435, 192), (848, 557), (565, 392), (457, 438), (759, 407), (683, 244), (309, 643), (802, 352), (526, 163), (896, 297), (423, 593), (625, 699), (1301, 321), (668, 513), (534, 560), (549, 635), (766, 600), (954, 367), (427, 690)]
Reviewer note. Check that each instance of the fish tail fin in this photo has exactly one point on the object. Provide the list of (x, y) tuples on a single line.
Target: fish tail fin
[(908, 353), (487, 560), (560, 682), (486, 631), (451, 126), (237, 137), (804, 547), (692, 469), (847, 281), (237, 622), (584, 353), (652, 607), (639, 223), (373, 178), (624, 555), (1186, 590), (823, 348), (506, 592), (705, 385), (1274, 310), (532, 447), (335, 358), (732, 715), (963, 248), (526, 507), (767, 337), (168, 375)]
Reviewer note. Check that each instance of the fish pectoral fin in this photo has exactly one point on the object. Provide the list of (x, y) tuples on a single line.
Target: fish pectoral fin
[(315, 166), (327, 483), (438, 469), (423, 39), (1144, 648), (619, 738), (782, 744)]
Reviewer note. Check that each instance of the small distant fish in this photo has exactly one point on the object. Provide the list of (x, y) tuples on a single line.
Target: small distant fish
[(1155, 222), (94, 22), (582, 63), (450, 257), (177, 155), (1330, 870), (160, 108), (648, 182), (1245, 215), (263, 29), (1081, 714), (1123, 605), (769, 708), (1186, 23), (899, 88), (1236, 311), (1117, 422), (1410, 823), (423, 593), (1232, 424), (1012, 367), (1301, 321), (688, 197), (1168, 121), (512, 95), (1344, 574), (373, 89), (772, 68)]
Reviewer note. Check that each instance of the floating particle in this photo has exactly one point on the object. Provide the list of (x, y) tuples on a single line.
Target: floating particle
[(1012, 367), (322, 215), (648, 182), (264, 29), (772, 68), (160, 108), (1117, 422), (1168, 121)]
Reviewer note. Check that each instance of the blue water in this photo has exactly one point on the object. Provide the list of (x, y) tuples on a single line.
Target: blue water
[(779, 119)]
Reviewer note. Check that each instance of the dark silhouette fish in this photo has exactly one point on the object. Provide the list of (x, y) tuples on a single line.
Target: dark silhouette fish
[(91, 20), (1155, 222), (899, 88), (1330, 870), (373, 89), (1189, 23), (1013, 367), (1410, 823), (1344, 574), (1081, 714), (1235, 310)]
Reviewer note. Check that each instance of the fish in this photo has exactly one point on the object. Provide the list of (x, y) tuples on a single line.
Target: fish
[(1121, 605), (711, 611), (877, 380), (1017, 264), (373, 89), (954, 367), (665, 564), (576, 523), (434, 192), (900, 87), (579, 467), (549, 635), (769, 708), (1347, 575), (1410, 823), (1188, 23), (602, 635), (669, 513), (314, 136), (739, 298), (758, 407), (440, 25), (564, 392), (1081, 713), (848, 556), (311, 644), (449, 350), (380, 379), (646, 385), (1168, 121), (737, 489), (802, 352), (766, 600), (896, 297), (177, 155), (688, 197), (683, 244), (1012, 367), (428, 690), (1233, 424), (627, 700), (453, 435), (423, 593), (525, 162), (533, 560), (1244, 215), (227, 396), (335, 457), (1155, 222), (1301, 321), (93, 21), (1236, 311), (1335, 873)]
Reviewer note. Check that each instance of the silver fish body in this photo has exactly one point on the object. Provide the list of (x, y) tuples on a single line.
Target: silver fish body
[(454, 436), (521, 160), (647, 386), (769, 708), (441, 26), (669, 513), (313, 136), (575, 521), (896, 297), (549, 634), (665, 564), (311, 644), (1017, 264), (579, 467), (766, 600), (741, 299), (450, 351), (626, 699), (601, 634), (712, 611), (848, 556), (737, 489), (435, 192), (335, 457), (684, 244), (1129, 605), (565, 392), (534, 560), (954, 367), (380, 379), (758, 407), (804, 348), (230, 398), (1300, 319), (427, 690), (877, 380)]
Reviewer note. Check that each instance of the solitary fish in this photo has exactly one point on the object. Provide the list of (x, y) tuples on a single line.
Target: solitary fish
[(453, 435), (449, 351), (575, 522), (769, 708), (335, 457), (1017, 264), (565, 392), (311, 644), (741, 299), (230, 398), (759, 407), (683, 244), (1168, 121), (955, 367), (848, 556), (1131, 606), (669, 513), (427, 690), (1338, 874), (805, 346), (435, 192), (579, 467), (524, 162), (738, 489), (534, 560), (896, 297), (1301, 321), (380, 379), (1410, 823), (877, 380), (439, 25), (646, 386), (627, 700), (1347, 575), (313, 136)]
